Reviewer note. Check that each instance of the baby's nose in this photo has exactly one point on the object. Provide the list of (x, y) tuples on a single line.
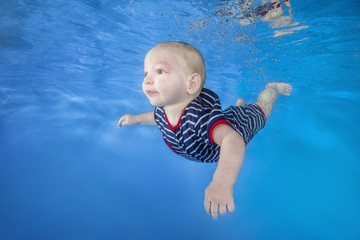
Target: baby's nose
[(148, 80)]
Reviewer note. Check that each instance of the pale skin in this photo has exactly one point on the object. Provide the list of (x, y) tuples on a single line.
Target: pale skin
[(171, 83), (276, 12)]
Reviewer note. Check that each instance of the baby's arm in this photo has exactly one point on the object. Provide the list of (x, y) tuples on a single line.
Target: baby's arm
[(219, 193), (144, 119)]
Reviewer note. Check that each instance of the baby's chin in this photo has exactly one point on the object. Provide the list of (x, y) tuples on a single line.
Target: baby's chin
[(155, 103)]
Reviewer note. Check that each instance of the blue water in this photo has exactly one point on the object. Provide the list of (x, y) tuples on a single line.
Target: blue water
[(70, 69)]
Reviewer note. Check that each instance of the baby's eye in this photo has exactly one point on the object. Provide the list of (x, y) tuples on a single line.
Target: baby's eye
[(160, 71)]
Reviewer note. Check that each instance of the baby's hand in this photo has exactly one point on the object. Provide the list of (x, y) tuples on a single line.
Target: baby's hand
[(218, 198), (128, 119)]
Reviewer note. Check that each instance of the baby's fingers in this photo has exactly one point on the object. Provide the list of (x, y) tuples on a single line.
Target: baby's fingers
[(231, 207), (122, 121), (128, 119), (214, 210), (207, 206), (222, 209), (211, 208)]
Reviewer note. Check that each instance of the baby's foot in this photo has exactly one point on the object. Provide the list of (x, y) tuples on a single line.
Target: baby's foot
[(280, 88), (240, 102)]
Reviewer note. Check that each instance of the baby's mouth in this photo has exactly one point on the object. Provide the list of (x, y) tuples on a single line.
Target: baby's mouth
[(151, 93)]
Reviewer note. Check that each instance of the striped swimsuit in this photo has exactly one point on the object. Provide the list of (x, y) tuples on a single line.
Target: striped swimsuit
[(192, 136)]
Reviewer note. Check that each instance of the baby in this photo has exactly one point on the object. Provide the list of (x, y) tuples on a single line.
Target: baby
[(192, 122)]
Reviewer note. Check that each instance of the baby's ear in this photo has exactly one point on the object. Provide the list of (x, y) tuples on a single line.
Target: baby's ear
[(194, 83)]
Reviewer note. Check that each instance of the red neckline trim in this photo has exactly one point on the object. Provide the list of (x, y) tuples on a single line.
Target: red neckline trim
[(177, 125)]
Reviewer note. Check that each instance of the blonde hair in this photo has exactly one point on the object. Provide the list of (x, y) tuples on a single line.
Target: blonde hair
[(190, 54)]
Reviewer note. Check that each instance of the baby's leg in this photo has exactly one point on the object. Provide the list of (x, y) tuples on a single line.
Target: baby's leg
[(268, 97)]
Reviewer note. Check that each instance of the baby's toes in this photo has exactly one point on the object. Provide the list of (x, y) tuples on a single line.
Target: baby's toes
[(289, 89), (287, 94)]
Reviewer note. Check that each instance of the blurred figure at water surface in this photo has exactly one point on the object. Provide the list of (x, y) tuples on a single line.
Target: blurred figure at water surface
[(269, 11)]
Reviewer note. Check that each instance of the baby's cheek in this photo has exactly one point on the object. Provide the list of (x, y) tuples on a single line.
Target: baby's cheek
[(143, 87)]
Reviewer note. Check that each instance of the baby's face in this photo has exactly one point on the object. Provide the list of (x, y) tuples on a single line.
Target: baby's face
[(165, 77)]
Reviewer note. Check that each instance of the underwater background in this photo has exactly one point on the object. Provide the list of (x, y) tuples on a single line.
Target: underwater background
[(70, 69)]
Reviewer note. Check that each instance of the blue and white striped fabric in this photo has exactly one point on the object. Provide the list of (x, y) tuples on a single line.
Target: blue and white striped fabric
[(247, 120), (192, 136)]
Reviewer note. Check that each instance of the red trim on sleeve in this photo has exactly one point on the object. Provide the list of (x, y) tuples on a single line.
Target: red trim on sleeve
[(214, 126)]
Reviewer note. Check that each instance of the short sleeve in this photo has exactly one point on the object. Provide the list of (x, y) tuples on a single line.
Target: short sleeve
[(211, 116)]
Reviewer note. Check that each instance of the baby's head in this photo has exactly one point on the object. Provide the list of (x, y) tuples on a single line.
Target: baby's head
[(189, 54), (173, 69)]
